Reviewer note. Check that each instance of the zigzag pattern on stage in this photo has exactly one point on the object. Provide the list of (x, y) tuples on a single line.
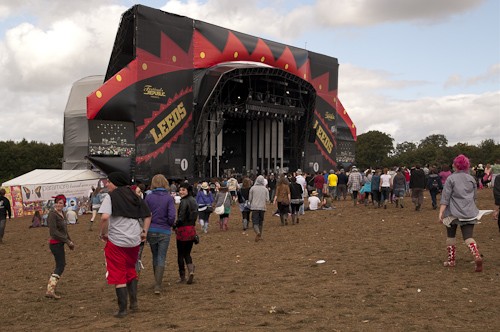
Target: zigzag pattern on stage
[(149, 82)]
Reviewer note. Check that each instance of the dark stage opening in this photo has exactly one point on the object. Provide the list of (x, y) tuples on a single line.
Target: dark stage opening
[(252, 119)]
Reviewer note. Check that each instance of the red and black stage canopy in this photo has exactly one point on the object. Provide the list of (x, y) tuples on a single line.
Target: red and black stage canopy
[(166, 71)]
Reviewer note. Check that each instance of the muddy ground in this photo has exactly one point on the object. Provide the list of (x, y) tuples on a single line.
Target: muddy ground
[(383, 271)]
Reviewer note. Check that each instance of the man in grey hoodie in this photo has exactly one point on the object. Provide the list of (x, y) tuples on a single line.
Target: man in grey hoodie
[(258, 198)]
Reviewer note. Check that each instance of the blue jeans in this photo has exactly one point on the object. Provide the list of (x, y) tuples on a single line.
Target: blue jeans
[(159, 245), (57, 250), (258, 220), (333, 192), (434, 193), (386, 194)]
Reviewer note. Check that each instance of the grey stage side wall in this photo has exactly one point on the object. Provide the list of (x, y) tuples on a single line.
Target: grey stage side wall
[(76, 132)]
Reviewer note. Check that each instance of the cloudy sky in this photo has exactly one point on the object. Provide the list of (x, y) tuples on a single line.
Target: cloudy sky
[(407, 68)]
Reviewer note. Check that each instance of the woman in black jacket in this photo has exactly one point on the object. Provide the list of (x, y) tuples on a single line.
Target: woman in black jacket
[(296, 199), (243, 201), (496, 196), (186, 231)]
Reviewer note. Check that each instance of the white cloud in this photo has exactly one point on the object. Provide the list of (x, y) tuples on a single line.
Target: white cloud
[(69, 49), (491, 75), (274, 22), (34, 116), (248, 16), (467, 118), (39, 65), (371, 12), (4, 11), (48, 11)]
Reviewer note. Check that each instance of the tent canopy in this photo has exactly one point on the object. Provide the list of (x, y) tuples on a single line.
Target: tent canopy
[(41, 176)]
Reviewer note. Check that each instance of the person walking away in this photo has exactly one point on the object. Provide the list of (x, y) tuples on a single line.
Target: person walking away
[(376, 188), (458, 208), (296, 199), (366, 190), (258, 197), (399, 187), (243, 201), (319, 183), (488, 175), (354, 183), (332, 184), (205, 201), (445, 172), (342, 185), (232, 187), (163, 213), (434, 185), (282, 199), (479, 175), (121, 212), (302, 181), (325, 181), (95, 201), (271, 185), (496, 196), (417, 186), (223, 198), (5, 211), (385, 187), (185, 230), (59, 236)]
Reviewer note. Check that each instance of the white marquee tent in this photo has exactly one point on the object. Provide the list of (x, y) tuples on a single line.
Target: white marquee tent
[(32, 191), (44, 176)]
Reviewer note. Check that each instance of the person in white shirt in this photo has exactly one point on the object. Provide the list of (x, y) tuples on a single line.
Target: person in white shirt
[(385, 187), (314, 201), (302, 181)]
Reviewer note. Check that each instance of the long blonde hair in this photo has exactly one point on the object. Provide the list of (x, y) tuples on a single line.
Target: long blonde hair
[(159, 181)]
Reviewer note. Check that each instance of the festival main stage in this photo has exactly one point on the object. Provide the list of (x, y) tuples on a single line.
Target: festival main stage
[(190, 100)]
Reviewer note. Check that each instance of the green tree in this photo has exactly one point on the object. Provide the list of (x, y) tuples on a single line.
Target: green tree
[(373, 149), (405, 147), (23, 157), (489, 151), (431, 150), (436, 141)]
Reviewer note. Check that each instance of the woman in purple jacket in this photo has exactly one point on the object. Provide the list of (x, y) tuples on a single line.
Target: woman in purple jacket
[(162, 207)]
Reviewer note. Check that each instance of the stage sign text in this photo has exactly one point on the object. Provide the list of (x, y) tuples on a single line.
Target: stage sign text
[(323, 137), (167, 124)]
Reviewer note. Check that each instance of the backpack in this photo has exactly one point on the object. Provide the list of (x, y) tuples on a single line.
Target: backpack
[(435, 184)]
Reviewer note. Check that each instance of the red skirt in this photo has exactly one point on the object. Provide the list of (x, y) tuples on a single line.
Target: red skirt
[(185, 233)]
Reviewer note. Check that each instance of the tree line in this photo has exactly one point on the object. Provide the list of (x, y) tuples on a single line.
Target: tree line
[(375, 148), (22, 157)]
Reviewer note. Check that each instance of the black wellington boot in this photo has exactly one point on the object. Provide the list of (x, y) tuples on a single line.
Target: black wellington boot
[(122, 295), (132, 294)]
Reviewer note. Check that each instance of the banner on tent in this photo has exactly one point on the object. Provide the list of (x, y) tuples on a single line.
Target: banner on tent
[(13, 193), (45, 192)]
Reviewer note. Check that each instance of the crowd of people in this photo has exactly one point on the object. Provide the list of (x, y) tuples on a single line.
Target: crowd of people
[(134, 215)]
